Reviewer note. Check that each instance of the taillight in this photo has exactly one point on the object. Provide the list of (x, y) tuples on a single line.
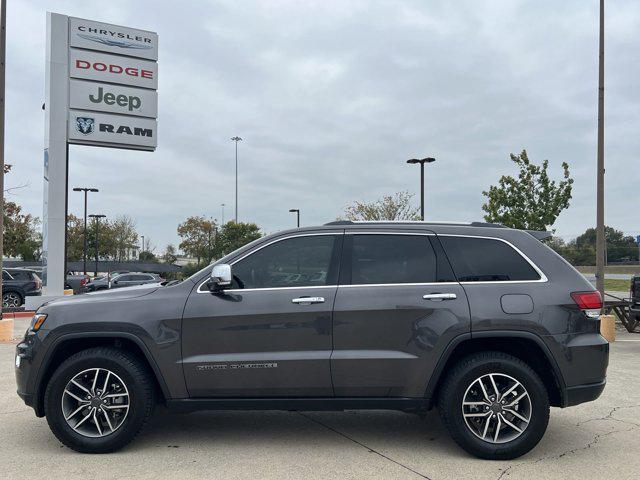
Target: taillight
[(590, 302), (83, 281)]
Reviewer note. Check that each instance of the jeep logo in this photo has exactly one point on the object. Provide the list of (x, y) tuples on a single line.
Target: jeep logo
[(129, 101)]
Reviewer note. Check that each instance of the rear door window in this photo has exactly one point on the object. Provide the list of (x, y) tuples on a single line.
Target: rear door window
[(393, 259), (477, 259)]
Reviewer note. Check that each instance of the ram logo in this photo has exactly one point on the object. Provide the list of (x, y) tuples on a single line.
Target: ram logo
[(85, 125)]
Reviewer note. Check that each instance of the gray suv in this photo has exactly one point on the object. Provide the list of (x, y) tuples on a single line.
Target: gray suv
[(483, 322)]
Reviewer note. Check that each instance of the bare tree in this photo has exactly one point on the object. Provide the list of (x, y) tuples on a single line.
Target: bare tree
[(390, 207)]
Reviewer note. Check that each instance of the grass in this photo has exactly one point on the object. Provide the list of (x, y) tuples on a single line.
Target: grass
[(616, 285)]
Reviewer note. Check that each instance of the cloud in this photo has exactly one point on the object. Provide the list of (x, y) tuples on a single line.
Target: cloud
[(332, 97)]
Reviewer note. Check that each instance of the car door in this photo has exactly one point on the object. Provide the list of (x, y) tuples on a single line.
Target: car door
[(270, 333), (397, 307), (121, 281)]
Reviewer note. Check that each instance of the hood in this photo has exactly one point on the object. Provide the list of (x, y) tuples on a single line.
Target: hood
[(106, 295)]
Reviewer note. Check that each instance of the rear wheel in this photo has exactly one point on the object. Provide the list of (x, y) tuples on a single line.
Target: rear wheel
[(494, 405), (99, 399)]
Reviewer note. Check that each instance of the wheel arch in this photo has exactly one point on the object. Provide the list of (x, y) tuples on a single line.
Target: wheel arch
[(526, 346), (69, 344)]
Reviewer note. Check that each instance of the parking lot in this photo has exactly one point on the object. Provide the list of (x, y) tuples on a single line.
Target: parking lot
[(595, 440)]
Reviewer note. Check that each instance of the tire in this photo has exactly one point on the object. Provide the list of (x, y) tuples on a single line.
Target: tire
[(114, 425), (12, 300), (467, 423)]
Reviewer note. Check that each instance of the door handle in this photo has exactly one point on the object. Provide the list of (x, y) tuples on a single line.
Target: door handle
[(307, 300), (438, 297)]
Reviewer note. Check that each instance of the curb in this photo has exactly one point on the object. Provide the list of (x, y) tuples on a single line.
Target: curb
[(7, 315)]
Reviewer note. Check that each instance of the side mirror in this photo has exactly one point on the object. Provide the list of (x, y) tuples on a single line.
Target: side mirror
[(220, 277)]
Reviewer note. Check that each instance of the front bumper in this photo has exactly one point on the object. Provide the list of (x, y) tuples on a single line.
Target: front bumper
[(24, 367)]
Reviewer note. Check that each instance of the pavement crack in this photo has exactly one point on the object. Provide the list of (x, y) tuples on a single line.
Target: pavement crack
[(371, 450), (587, 446), (610, 416)]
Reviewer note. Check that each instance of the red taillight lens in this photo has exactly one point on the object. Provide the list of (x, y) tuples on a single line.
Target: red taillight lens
[(587, 300), (83, 281)]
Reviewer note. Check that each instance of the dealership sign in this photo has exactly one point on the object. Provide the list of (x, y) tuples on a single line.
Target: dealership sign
[(112, 38), (105, 97), (101, 84), (112, 81), (113, 68), (112, 130)]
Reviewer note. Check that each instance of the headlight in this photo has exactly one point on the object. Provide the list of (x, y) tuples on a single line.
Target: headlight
[(37, 321)]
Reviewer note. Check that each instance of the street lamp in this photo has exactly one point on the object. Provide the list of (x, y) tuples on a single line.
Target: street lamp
[(222, 205), (297, 212), (421, 161), (85, 190), (142, 249), (236, 139), (97, 217)]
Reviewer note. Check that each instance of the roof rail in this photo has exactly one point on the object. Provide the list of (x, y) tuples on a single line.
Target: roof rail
[(473, 224)]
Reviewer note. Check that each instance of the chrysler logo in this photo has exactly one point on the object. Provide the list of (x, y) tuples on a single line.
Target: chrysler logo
[(114, 43)]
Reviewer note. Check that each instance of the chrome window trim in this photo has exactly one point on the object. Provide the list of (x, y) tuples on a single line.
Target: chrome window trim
[(391, 232), (424, 284), (275, 240), (543, 278)]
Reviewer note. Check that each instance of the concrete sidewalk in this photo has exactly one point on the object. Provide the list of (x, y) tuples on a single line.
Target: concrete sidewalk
[(594, 440)]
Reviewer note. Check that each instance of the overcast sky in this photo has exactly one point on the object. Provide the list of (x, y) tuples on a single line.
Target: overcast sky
[(331, 98)]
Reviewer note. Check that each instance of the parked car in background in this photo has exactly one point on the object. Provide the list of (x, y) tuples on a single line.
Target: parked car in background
[(98, 283), (77, 282), (635, 297), (134, 278), (19, 283)]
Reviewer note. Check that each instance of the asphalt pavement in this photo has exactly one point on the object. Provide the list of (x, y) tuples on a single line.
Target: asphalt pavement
[(594, 440)]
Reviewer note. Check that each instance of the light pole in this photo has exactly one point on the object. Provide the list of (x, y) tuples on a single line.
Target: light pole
[(297, 212), (600, 238), (236, 139), (222, 205), (421, 161), (97, 217), (84, 254), (142, 249)]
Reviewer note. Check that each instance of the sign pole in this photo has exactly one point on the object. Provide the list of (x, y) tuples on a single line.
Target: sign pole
[(54, 218), (3, 37)]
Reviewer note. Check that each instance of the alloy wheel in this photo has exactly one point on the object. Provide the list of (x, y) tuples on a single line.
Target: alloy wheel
[(95, 402), (496, 408), (11, 300)]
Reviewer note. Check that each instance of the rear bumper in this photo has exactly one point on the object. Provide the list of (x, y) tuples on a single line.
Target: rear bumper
[(583, 393)]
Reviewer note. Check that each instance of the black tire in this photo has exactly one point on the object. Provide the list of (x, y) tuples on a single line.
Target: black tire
[(12, 299), (463, 375), (139, 384)]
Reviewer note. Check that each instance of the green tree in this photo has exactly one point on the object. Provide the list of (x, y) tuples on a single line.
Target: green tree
[(170, 255), (75, 238), (235, 235), (390, 207), (20, 232), (198, 238), (532, 201)]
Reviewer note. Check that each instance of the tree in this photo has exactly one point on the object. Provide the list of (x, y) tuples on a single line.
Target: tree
[(170, 255), (121, 237), (75, 239), (20, 233), (582, 250), (390, 207), (235, 235), (530, 202), (198, 238)]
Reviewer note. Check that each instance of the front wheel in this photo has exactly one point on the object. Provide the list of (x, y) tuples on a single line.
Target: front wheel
[(494, 405), (11, 300), (99, 399)]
